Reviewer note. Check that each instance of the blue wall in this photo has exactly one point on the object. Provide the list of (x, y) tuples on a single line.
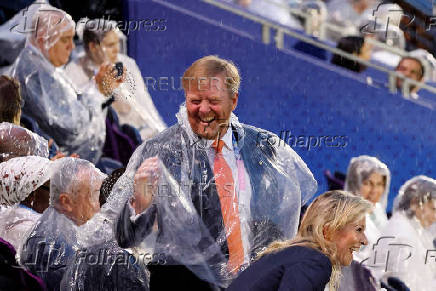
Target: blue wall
[(285, 90)]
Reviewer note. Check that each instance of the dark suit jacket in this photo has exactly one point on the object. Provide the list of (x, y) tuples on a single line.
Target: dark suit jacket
[(257, 156), (268, 183), (295, 268)]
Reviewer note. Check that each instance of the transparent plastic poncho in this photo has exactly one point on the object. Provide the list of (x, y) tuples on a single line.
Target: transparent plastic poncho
[(406, 249), (19, 177), (53, 241), (13, 32), (190, 230), (359, 170), (103, 267), (133, 105), (74, 119), (16, 141)]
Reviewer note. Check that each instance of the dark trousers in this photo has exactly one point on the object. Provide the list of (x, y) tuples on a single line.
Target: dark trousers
[(176, 277)]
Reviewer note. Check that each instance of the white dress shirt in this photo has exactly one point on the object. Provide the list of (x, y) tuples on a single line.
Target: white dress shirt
[(242, 186)]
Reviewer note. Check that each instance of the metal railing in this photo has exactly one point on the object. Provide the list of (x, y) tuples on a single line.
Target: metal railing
[(279, 32)]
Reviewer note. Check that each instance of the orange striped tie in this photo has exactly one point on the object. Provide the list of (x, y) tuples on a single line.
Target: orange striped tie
[(229, 208)]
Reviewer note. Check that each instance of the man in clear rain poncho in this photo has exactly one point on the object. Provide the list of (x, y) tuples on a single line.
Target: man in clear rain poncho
[(74, 199), (75, 121), (220, 190)]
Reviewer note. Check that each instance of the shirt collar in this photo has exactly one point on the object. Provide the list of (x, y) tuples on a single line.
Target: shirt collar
[(227, 139)]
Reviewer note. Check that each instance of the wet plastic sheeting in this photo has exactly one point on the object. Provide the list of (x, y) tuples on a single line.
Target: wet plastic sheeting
[(73, 119), (21, 176), (406, 237), (54, 240), (120, 270), (16, 141), (191, 228), (360, 169)]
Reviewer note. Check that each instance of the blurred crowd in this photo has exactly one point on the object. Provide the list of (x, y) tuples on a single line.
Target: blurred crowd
[(96, 193), (379, 32)]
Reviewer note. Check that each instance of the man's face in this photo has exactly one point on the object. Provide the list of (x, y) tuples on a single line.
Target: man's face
[(60, 52), (209, 104), (411, 69), (86, 196)]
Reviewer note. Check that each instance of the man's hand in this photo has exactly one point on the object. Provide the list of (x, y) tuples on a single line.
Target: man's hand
[(145, 184)]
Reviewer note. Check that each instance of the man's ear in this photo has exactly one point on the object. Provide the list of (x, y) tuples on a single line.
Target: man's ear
[(235, 100), (65, 202)]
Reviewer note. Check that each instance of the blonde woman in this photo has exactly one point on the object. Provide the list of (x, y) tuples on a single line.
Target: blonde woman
[(331, 230)]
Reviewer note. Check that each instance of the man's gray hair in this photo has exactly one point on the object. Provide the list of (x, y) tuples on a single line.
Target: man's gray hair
[(65, 176)]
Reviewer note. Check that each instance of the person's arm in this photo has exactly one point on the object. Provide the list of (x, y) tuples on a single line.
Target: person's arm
[(131, 229)]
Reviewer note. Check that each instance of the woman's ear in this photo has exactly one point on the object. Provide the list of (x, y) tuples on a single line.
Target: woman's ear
[(414, 205), (326, 232)]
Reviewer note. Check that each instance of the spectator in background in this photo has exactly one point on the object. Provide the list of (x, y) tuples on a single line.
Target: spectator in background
[(357, 46), (414, 212), (23, 190), (412, 68), (274, 10), (74, 193), (10, 112), (16, 141), (75, 121), (369, 178), (108, 184), (133, 103), (10, 100), (346, 14)]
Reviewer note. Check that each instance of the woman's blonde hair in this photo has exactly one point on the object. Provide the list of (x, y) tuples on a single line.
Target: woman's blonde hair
[(329, 212)]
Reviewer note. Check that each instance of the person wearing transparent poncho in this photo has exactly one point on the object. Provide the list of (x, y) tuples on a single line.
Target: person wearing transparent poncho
[(52, 243), (370, 178), (75, 121), (133, 103), (406, 250), (16, 141), (220, 190), (19, 178)]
